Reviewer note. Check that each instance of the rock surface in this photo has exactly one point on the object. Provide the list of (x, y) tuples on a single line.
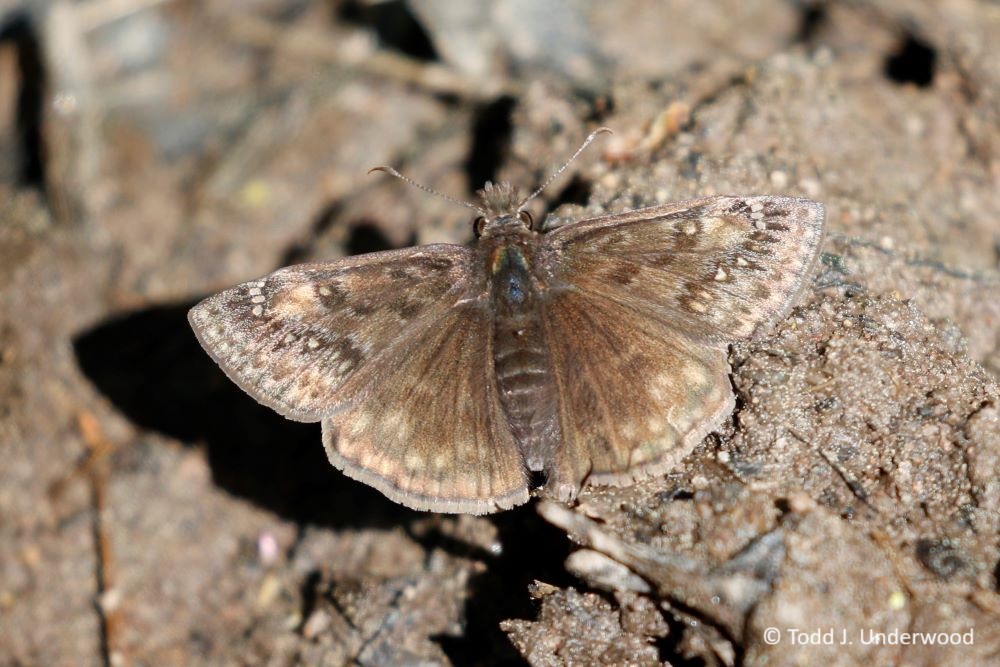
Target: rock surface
[(153, 153)]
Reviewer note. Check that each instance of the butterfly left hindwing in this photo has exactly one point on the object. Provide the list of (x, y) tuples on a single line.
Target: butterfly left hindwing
[(425, 425)]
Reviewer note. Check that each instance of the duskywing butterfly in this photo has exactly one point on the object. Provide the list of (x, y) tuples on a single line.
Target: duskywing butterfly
[(593, 353)]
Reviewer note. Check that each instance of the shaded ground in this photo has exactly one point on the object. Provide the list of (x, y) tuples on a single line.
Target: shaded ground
[(155, 152)]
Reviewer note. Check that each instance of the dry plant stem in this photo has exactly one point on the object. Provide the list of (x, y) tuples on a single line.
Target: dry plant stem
[(71, 124), (96, 469), (317, 46), (718, 77), (97, 13), (674, 577)]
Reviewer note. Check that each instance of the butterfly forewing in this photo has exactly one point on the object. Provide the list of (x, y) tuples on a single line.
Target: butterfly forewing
[(718, 268), (636, 307), (594, 352), (291, 339)]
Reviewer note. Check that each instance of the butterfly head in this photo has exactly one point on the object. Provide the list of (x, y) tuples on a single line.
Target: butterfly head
[(500, 205)]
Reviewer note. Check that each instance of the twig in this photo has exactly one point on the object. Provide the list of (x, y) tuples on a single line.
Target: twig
[(314, 45), (97, 13), (95, 466)]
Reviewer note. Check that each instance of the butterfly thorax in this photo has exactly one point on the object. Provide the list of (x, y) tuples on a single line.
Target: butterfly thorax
[(521, 360)]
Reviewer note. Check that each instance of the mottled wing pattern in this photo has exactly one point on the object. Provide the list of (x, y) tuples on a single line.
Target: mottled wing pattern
[(427, 429), (719, 268), (634, 395), (637, 306), (390, 351), (292, 338)]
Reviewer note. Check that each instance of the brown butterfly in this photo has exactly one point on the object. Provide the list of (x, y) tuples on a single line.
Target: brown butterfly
[(595, 352)]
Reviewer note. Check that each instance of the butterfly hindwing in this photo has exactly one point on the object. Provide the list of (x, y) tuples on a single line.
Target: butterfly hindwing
[(634, 396), (637, 311), (426, 427)]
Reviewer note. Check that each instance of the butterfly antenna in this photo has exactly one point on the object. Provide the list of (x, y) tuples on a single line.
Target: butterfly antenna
[(590, 138), (393, 172)]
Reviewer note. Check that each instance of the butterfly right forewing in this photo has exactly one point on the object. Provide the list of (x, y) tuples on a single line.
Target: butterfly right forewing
[(719, 268), (637, 310)]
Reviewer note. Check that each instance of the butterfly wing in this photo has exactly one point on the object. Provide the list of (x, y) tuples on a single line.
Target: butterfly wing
[(650, 296), (634, 395), (292, 338), (718, 268), (392, 351), (430, 432)]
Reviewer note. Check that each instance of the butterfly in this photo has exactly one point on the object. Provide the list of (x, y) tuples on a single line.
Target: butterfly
[(593, 353)]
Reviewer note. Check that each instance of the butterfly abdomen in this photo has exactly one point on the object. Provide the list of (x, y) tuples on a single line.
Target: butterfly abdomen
[(521, 360)]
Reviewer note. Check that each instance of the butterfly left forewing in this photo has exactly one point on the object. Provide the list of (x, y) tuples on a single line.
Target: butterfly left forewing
[(292, 338), (718, 268)]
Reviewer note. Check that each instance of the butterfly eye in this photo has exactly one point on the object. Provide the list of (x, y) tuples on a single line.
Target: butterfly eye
[(526, 218), (479, 225)]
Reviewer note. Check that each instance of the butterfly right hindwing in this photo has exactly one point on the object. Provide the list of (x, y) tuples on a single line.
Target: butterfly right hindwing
[(634, 396), (636, 312)]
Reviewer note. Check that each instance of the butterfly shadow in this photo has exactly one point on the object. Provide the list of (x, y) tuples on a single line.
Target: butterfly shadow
[(150, 366), (532, 550)]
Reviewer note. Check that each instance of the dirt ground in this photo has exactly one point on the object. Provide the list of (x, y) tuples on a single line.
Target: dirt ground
[(156, 151)]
